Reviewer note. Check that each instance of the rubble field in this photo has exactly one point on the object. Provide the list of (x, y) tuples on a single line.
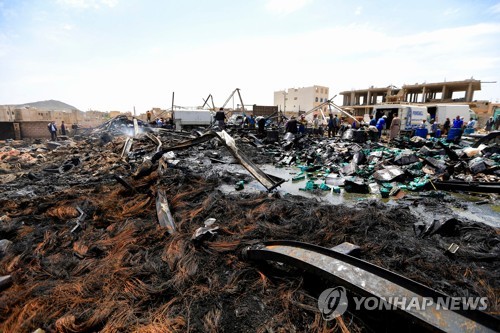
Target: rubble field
[(98, 237)]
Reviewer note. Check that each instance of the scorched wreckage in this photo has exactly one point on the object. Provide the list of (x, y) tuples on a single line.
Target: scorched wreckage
[(142, 229)]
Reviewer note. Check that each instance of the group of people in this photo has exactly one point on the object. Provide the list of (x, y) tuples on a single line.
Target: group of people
[(381, 123), (333, 126), (52, 127), (162, 122), (492, 124)]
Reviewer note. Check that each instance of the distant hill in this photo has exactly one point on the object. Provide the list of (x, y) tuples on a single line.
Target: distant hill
[(49, 105)]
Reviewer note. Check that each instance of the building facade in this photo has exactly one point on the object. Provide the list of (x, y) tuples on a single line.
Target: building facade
[(298, 100), (362, 101)]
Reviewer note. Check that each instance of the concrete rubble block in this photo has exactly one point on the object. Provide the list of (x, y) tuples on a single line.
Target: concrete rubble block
[(51, 145)]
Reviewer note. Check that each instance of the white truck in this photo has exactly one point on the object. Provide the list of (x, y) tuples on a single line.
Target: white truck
[(440, 112), (411, 115), (190, 118)]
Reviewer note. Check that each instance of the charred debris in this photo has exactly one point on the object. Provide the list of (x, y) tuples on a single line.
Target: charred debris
[(126, 228)]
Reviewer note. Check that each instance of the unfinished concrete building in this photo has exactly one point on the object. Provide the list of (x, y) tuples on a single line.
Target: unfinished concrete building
[(360, 102)]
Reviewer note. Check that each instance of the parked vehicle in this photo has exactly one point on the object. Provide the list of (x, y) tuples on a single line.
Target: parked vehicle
[(411, 115), (440, 112), (190, 118)]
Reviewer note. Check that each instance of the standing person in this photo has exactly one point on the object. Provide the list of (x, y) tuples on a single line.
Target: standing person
[(458, 123), (489, 124), (63, 128), (471, 124), (423, 125), (497, 123), (302, 124), (395, 127), (446, 126), (74, 127), (220, 116), (336, 125), (261, 124), (434, 128), (373, 121), (252, 122), (354, 124), (380, 125), (53, 130), (148, 116), (291, 126), (331, 126), (315, 125)]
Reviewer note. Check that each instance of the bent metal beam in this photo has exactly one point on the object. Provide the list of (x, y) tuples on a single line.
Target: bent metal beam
[(365, 279)]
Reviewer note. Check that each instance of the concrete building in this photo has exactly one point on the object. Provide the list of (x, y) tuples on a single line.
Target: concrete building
[(362, 101), (295, 100), (23, 122)]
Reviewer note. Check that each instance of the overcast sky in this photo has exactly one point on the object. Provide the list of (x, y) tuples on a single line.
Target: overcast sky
[(116, 54)]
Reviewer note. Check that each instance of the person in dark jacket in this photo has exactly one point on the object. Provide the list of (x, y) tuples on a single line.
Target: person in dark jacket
[(53, 130), (446, 126), (63, 128), (331, 126), (336, 125), (291, 126), (489, 124), (261, 124), (220, 116)]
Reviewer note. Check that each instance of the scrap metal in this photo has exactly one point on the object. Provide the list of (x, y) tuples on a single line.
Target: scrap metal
[(126, 147), (269, 182), (366, 279), (163, 212), (79, 220)]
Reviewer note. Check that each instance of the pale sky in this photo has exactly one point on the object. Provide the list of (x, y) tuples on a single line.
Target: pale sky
[(116, 54)]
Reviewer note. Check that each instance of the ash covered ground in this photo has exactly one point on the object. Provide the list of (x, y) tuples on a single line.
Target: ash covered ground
[(117, 270)]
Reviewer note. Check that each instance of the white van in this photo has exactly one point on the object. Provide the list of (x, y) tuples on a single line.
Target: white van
[(411, 115), (440, 112)]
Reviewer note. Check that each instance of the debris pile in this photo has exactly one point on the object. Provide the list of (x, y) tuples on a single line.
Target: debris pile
[(105, 235), (408, 164)]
